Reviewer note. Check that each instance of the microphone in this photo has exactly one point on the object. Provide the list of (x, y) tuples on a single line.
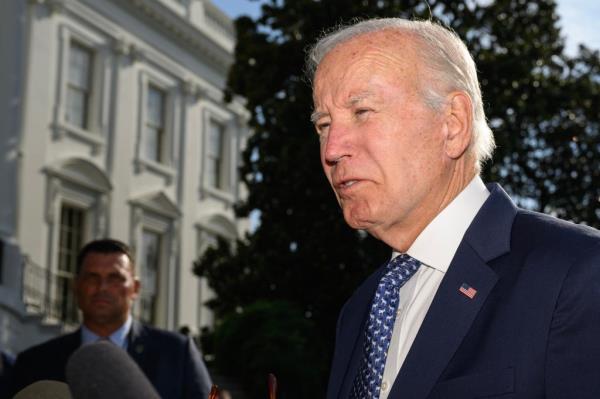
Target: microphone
[(44, 389), (102, 370)]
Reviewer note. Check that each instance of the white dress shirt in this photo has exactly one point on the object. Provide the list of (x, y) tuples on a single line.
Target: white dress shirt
[(434, 248), (118, 338)]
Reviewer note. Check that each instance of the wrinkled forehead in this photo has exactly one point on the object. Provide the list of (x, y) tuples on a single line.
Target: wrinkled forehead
[(393, 42), (389, 52)]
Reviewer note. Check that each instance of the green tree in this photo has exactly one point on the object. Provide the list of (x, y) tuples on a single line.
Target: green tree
[(271, 337), (542, 105)]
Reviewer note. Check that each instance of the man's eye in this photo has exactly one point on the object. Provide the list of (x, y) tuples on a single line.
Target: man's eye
[(322, 127), (361, 112), (115, 279)]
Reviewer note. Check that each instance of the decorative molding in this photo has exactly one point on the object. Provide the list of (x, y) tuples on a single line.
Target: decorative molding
[(218, 224), (53, 6), (191, 89), (158, 203), (137, 53), (56, 6), (54, 187), (102, 218), (214, 45), (82, 173), (60, 130), (165, 171), (120, 47), (137, 217), (175, 235)]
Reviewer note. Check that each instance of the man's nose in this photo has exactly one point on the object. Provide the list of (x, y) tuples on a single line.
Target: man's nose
[(337, 144), (103, 283)]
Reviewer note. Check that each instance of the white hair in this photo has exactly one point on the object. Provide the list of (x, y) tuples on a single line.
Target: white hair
[(443, 53)]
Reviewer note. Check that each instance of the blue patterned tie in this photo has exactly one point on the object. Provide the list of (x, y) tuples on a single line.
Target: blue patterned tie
[(380, 325)]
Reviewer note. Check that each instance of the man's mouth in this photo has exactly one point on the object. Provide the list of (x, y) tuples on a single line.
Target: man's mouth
[(101, 300), (348, 183)]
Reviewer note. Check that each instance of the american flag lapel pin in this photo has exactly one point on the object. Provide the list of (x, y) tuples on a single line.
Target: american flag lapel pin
[(467, 290)]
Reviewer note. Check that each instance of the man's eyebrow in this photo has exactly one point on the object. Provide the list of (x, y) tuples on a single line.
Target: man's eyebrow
[(316, 115), (356, 98), (353, 100)]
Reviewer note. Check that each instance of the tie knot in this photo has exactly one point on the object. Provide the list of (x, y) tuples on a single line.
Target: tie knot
[(400, 269)]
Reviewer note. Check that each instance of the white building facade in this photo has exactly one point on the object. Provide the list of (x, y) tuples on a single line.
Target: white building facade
[(113, 124)]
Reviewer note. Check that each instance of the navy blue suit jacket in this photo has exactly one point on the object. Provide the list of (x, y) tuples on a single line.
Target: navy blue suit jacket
[(6, 366), (171, 362), (531, 331)]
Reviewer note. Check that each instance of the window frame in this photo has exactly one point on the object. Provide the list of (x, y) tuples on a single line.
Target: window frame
[(157, 213), (85, 91), (158, 127), (157, 297), (227, 191), (69, 275), (96, 129), (165, 167), (219, 180)]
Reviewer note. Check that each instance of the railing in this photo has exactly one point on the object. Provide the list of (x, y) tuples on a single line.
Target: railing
[(48, 294)]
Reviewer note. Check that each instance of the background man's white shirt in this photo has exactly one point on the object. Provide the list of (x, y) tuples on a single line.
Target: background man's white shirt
[(118, 338)]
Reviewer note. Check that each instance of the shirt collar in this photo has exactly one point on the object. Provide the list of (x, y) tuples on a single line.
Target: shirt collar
[(119, 337), (438, 242)]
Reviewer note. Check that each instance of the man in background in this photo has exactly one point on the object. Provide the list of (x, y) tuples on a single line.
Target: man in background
[(105, 288), (481, 298)]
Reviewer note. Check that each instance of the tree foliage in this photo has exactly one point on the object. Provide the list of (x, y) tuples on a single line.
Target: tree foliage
[(542, 105), (271, 337)]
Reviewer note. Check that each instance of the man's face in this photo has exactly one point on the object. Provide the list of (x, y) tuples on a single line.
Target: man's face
[(105, 288), (382, 148)]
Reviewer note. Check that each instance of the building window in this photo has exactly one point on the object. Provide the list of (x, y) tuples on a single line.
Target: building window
[(215, 156), (155, 124), (79, 85), (71, 238), (150, 267)]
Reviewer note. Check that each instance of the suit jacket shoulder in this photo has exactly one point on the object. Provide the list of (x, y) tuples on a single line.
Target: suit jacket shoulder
[(535, 232), (171, 362), (45, 361)]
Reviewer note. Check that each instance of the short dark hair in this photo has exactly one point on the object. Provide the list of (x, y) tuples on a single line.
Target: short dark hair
[(104, 246)]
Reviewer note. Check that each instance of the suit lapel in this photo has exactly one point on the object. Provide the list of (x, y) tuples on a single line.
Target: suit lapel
[(447, 322), (136, 344), (452, 313)]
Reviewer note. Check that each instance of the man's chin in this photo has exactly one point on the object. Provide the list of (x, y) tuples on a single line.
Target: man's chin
[(358, 223)]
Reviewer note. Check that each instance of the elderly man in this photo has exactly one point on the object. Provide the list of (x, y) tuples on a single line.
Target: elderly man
[(481, 298), (105, 288)]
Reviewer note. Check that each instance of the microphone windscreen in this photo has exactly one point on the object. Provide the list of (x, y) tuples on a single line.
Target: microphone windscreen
[(44, 389), (104, 371)]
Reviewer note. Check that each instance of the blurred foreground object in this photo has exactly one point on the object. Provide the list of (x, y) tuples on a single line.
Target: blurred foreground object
[(272, 386), (214, 392), (45, 389), (103, 371)]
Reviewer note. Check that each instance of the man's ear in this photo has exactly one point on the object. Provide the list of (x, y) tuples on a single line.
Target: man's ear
[(458, 124), (136, 286)]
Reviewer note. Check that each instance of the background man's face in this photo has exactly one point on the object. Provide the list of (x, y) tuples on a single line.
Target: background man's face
[(388, 144), (105, 288)]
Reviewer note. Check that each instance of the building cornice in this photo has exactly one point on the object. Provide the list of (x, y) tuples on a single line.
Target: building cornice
[(215, 46)]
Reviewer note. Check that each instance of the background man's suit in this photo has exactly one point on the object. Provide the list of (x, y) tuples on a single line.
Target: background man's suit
[(170, 361), (6, 366), (531, 331)]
